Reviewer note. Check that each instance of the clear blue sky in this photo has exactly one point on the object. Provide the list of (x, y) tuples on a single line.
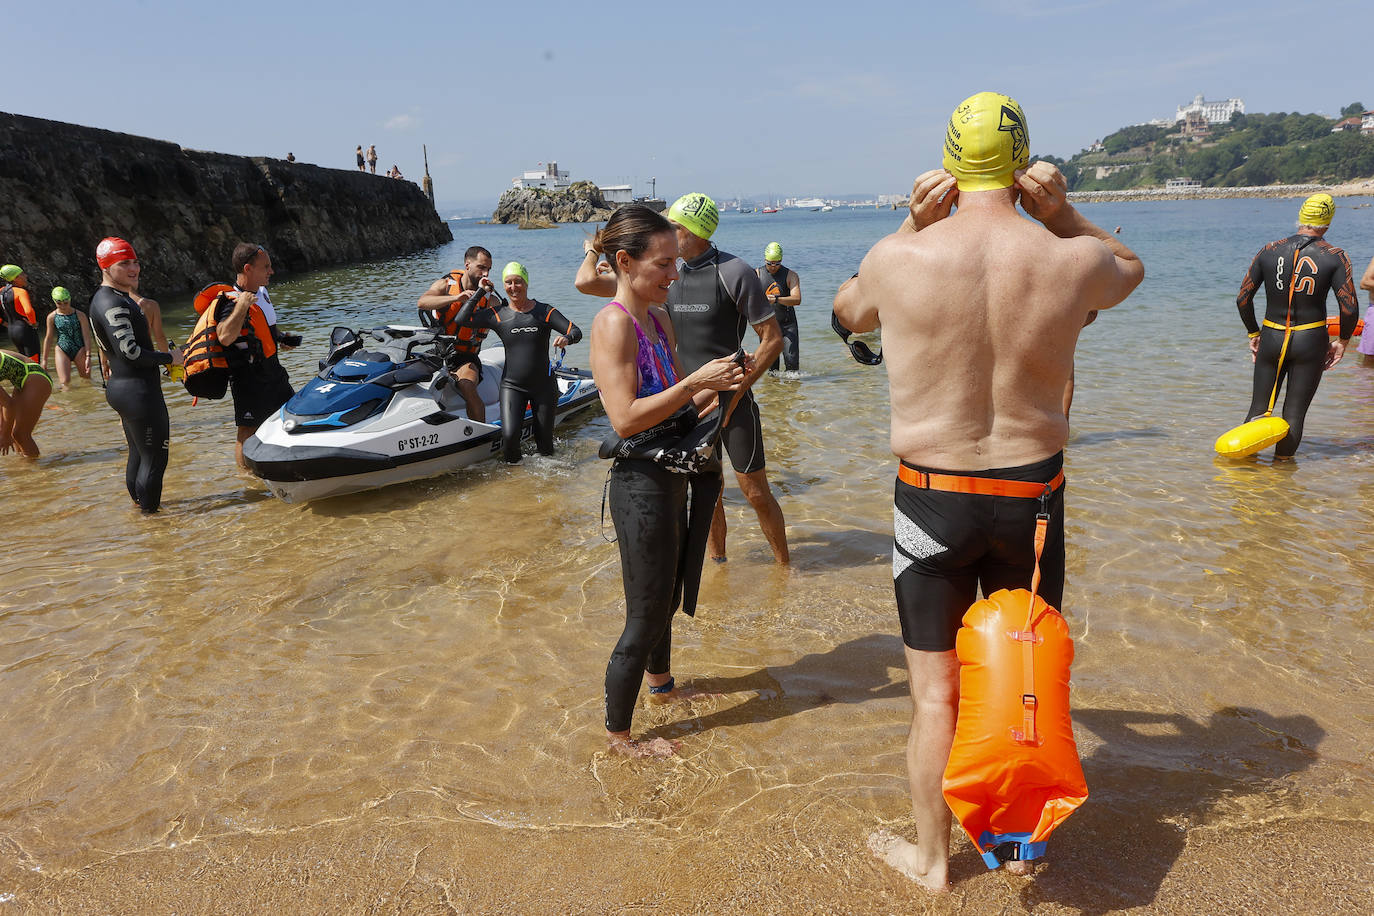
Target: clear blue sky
[(786, 98)]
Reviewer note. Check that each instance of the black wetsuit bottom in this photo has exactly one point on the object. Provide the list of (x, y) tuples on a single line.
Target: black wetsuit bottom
[(543, 397), (143, 413), (791, 339), (1301, 372), (24, 337), (649, 506)]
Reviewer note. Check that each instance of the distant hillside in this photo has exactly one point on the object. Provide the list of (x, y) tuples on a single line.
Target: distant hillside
[(1252, 149)]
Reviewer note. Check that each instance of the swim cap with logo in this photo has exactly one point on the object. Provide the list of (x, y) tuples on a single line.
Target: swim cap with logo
[(696, 213), (10, 271), (112, 250), (1317, 210), (773, 252), (986, 141), (60, 294), (515, 269)]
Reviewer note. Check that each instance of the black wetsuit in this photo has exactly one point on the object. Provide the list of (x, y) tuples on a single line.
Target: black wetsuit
[(23, 336), (1297, 272), (526, 378), (714, 300), (134, 391), (787, 318)]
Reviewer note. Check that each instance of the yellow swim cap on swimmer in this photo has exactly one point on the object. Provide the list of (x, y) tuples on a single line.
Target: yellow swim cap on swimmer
[(1317, 210), (60, 294), (696, 213), (986, 141), (773, 252), (10, 271), (515, 269)]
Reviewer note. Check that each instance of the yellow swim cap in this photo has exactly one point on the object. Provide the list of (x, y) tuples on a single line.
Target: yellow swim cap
[(773, 252), (986, 141), (696, 213), (1317, 210), (515, 269), (60, 294)]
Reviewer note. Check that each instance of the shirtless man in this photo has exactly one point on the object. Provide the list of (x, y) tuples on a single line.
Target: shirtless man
[(980, 313)]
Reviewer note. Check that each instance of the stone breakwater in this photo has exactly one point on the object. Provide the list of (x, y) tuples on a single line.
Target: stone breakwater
[(64, 187), (1278, 190)]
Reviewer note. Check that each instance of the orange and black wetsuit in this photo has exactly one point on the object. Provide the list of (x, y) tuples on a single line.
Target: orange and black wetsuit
[(1297, 272), (21, 320)]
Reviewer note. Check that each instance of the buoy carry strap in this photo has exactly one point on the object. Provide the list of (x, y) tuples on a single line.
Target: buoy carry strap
[(1027, 636), (979, 486)]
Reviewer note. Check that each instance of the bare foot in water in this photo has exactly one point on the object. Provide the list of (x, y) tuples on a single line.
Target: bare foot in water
[(642, 750), (1021, 869), (904, 857)]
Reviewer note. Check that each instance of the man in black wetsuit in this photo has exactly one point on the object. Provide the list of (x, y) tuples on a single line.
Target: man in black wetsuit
[(1293, 345), (134, 389), (715, 297), (524, 326), (782, 286)]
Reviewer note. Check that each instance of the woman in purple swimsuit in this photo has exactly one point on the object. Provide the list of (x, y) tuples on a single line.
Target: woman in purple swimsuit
[(641, 383)]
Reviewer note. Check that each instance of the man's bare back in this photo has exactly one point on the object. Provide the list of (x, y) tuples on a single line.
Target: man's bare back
[(980, 314)]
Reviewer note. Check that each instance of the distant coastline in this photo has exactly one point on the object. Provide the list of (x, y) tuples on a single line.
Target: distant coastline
[(1361, 188)]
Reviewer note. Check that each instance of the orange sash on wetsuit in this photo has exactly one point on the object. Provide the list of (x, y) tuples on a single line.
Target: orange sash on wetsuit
[(469, 338)]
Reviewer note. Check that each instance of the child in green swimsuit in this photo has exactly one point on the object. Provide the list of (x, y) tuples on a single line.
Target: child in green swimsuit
[(72, 333)]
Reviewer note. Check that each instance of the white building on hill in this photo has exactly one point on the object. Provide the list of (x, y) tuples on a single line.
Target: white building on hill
[(1214, 112), (549, 178)]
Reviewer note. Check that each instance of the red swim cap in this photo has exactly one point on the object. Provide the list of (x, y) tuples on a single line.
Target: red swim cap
[(112, 250)]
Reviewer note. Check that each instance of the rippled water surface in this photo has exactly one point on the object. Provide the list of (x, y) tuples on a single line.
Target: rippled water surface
[(432, 654)]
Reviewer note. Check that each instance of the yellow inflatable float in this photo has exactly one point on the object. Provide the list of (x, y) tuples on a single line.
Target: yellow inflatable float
[(1248, 438)]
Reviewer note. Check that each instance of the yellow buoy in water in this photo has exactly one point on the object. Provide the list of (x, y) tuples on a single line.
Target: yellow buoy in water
[(1248, 438)]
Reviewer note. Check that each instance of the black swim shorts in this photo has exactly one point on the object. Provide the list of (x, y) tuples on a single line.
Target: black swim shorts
[(260, 389), (743, 436), (946, 545)]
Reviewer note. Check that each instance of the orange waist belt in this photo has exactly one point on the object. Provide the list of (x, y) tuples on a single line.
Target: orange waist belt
[(982, 486)]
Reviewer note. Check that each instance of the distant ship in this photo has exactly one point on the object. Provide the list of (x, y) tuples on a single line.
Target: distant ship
[(769, 210), (809, 203)]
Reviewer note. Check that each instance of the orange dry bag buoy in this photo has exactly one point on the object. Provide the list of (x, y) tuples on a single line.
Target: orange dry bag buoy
[(1333, 327), (1013, 773)]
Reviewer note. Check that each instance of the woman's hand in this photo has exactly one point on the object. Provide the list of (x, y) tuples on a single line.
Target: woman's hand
[(721, 374)]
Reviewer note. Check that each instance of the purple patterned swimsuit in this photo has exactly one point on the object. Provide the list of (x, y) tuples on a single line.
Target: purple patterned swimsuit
[(654, 361)]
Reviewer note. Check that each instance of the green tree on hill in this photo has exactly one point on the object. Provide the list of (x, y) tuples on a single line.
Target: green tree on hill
[(1354, 108)]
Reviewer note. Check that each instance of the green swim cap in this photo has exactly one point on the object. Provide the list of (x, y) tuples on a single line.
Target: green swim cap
[(10, 271), (986, 141), (515, 269), (696, 213), (773, 252), (60, 294)]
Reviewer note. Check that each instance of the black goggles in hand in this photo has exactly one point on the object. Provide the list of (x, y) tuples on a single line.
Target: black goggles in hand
[(857, 348)]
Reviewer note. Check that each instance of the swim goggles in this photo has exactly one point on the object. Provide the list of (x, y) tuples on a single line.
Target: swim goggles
[(857, 348)]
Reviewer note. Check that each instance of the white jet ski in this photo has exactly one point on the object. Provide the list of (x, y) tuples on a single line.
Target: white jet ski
[(384, 410)]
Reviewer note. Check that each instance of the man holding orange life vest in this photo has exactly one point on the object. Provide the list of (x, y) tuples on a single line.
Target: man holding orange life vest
[(439, 307), (980, 314), (257, 378)]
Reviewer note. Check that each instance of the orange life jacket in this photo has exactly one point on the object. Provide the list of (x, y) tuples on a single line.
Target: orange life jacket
[(208, 361), (469, 338)]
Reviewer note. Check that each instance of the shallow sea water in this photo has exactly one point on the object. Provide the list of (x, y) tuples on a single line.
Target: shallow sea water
[(422, 665)]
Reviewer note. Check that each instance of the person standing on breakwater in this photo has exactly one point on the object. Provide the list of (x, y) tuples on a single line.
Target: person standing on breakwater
[(642, 387), (134, 389), (1294, 345), (524, 326), (372, 158), (21, 318), (69, 330), (782, 286), (439, 308), (362, 163), (242, 326), (980, 313), (1366, 347), (712, 302)]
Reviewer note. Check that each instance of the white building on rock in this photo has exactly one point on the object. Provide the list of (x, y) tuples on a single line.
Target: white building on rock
[(1214, 112), (549, 178)]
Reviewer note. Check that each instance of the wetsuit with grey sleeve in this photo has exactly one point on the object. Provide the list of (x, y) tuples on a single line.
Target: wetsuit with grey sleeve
[(713, 302), (134, 391)]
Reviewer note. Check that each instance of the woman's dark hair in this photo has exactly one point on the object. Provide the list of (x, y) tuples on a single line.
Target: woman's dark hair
[(630, 229)]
